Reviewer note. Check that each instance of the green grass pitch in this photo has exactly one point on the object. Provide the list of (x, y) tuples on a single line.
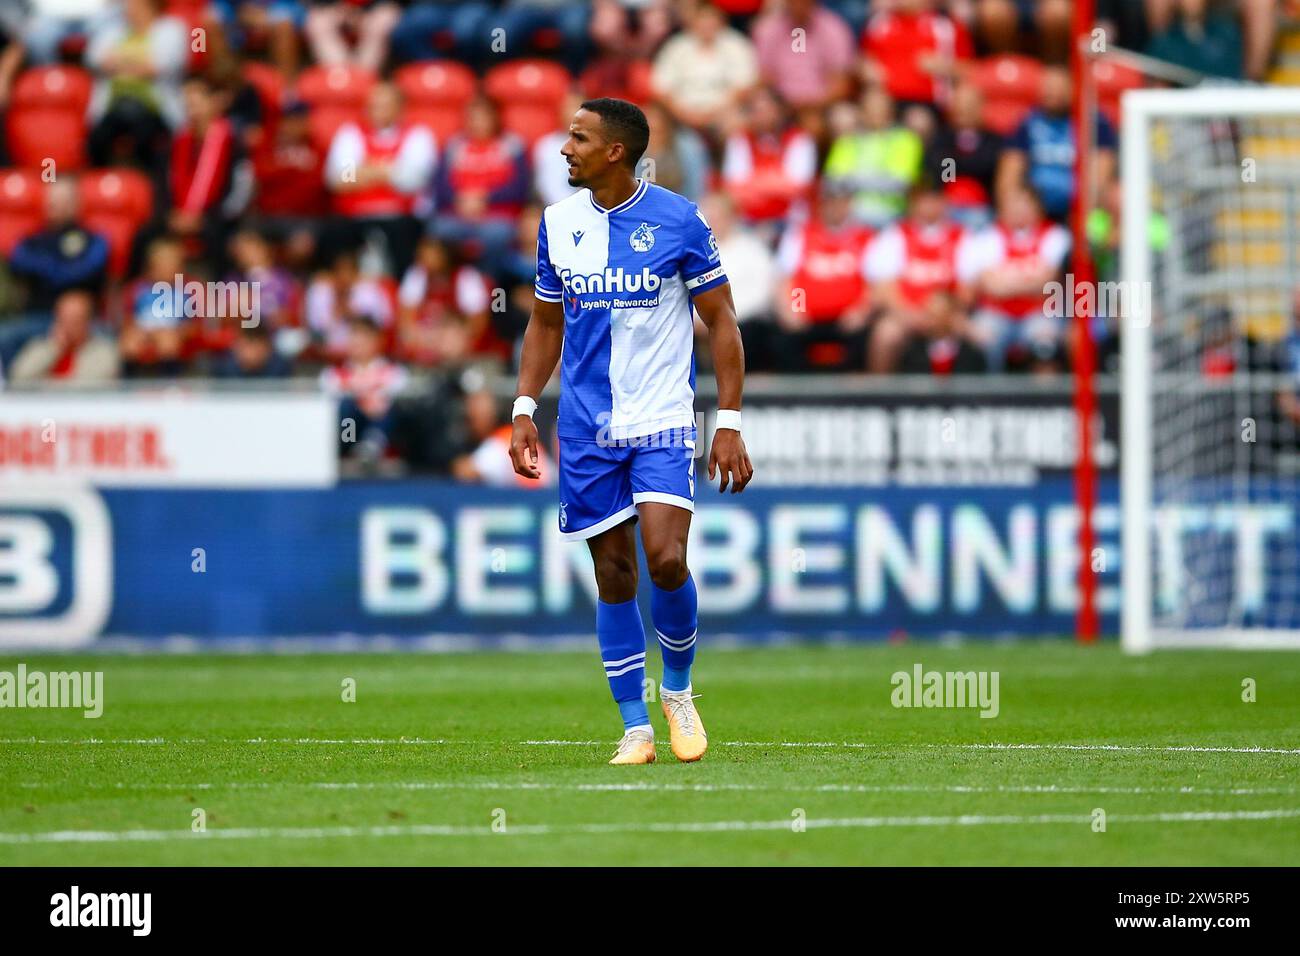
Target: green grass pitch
[(499, 758)]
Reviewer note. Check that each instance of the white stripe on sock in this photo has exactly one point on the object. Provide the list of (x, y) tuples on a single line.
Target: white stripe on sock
[(676, 644), (630, 667), (626, 660)]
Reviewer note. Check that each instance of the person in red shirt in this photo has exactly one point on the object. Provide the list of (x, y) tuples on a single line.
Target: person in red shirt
[(906, 264), (376, 171), (291, 192), (204, 154), (482, 185), (1010, 266), (823, 300), (769, 164), (914, 50)]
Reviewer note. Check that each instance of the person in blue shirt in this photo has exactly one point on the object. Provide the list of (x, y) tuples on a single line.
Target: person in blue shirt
[(621, 266), (1041, 153)]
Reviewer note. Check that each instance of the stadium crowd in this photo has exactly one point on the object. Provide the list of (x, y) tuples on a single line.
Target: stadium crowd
[(889, 181)]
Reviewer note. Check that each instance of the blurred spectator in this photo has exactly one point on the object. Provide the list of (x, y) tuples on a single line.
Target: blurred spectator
[(938, 344), (811, 68), (12, 54), (50, 23), (366, 384), (914, 50), (750, 268), (204, 154), (823, 300), (550, 170), (1009, 266), (906, 265), (430, 29), (1001, 23), (701, 73), (442, 307), (330, 23), (72, 352), (252, 355), (291, 192), (679, 155), (276, 23), (524, 20), (155, 330), (376, 172), (879, 162), (489, 463), (630, 29), (481, 185), (338, 296), (139, 60), (1198, 38), (769, 164), (279, 295), (62, 256), (1042, 151), (964, 156)]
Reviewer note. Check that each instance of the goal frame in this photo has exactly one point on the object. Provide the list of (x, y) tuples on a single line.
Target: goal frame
[(1139, 109)]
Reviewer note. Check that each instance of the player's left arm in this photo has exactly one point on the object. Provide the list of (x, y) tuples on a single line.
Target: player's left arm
[(728, 455)]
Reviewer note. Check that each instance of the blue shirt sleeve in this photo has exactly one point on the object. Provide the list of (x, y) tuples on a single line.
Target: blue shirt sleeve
[(701, 263), (547, 286)]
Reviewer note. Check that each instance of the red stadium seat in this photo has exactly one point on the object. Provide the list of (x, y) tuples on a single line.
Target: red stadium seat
[(1011, 85), (47, 117), (64, 87), (441, 84), (335, 87), (322, 124), (444, 121), (535, 82), (529, 93), (530, 121), (116, 203), (22, 207), (617, 78), (435, 95)]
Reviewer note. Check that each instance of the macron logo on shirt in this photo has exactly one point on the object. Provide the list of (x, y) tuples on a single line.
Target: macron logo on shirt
[(577, 236)]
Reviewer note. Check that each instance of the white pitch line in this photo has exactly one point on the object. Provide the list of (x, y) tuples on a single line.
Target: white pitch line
[(819, 744), (712, 826), (425, 785)]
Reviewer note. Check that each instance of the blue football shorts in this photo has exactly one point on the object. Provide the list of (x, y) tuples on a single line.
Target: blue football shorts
[(602, 483)]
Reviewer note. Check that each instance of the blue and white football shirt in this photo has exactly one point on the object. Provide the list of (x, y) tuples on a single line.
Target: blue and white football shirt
[(626, 277)]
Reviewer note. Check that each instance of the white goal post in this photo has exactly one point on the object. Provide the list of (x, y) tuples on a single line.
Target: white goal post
[(1210, 460)]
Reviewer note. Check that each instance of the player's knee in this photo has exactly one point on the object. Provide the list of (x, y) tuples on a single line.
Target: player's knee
[(667, 566), (616, 578)]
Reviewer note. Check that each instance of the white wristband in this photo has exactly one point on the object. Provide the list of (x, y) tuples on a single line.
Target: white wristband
[(523, 406), (727, 418)]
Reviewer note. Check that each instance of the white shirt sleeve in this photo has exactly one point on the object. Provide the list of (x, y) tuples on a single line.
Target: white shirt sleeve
[(978, 253), (884, 257), (411, 292), (790, 251), (413, 165), (347, 149), (492, 461), (1054, 247), (800, 160), (737, 164), (472, 296)]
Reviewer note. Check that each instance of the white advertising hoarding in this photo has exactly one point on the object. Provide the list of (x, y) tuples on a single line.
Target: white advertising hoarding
[(169, 439)]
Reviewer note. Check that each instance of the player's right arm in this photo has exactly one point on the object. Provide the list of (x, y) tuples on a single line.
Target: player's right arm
[(543, 342)]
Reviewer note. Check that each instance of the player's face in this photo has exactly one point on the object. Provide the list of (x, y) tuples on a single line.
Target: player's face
[(586, 150)]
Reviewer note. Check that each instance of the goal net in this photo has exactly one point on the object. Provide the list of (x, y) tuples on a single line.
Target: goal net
[(1210, 459)]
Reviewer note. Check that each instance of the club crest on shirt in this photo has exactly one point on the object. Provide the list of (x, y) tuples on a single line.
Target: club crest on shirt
[(643, 238)]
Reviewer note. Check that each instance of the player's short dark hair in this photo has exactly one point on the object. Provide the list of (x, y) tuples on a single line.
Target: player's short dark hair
[(622, 122)]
